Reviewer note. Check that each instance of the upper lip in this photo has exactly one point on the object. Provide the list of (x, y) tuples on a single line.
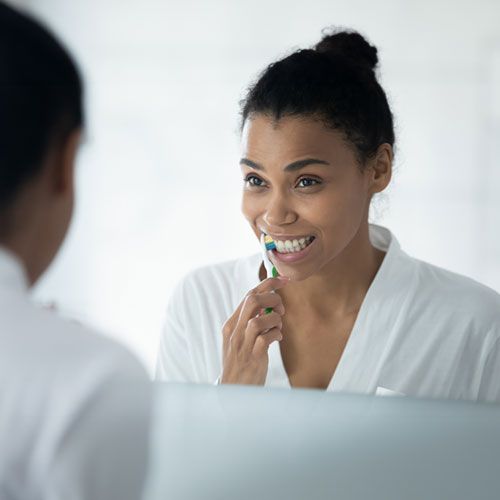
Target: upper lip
[(284, 237)]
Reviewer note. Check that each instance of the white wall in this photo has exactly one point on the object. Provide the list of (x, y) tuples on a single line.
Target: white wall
[(159, 181)]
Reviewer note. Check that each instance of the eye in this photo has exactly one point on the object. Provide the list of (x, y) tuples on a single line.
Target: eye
[(253, 181), (306, 182)]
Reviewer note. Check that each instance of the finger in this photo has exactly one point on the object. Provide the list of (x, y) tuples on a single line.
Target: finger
[(262, 342), (239, 320), (270, 284), (231, 323), (260, 325), (280, 309), (255, 303), (229, 326)]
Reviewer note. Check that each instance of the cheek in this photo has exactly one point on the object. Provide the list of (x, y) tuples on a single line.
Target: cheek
[(339, 209)]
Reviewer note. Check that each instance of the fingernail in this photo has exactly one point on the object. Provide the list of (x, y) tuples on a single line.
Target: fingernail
[(283, 278)]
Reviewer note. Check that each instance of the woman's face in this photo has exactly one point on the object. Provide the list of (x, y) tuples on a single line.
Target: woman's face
[(303, 186)]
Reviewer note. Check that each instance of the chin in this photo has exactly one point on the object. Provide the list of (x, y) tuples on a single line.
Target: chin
[(296, 273)]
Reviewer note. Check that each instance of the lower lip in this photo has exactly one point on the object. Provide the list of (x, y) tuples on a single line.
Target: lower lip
[(293, 257)]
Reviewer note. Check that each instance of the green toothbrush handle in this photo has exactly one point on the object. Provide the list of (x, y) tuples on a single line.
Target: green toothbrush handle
[(275, 273)]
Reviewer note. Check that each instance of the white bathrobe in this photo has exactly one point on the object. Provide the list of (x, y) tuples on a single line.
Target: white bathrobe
[(74, 406), (421, 331)]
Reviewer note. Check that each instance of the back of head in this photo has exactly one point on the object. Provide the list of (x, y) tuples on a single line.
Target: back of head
[(335, 82), (40, 99)]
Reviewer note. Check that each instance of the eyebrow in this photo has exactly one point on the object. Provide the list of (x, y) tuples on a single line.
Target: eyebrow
[(292, 167)]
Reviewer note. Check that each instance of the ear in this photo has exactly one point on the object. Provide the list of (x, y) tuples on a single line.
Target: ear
[(381, 168), (65, 166)]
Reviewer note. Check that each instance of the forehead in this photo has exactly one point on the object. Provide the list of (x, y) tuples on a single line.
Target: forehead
[(267, 140)]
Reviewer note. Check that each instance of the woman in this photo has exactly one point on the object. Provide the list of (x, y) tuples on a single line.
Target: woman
[(354, 313), (68, 429)]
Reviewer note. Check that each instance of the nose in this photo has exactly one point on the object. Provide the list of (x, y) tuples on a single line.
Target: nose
[(279, 212)]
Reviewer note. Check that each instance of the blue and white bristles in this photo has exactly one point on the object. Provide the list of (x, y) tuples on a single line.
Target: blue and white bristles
[(268, 245)]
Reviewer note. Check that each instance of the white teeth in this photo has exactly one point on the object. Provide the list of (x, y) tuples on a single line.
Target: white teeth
[(290, 246)]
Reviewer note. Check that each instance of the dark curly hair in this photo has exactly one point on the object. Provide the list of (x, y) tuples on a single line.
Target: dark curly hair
[(334, 82)]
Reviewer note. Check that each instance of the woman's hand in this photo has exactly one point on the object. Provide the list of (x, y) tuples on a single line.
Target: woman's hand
[(249, 332)]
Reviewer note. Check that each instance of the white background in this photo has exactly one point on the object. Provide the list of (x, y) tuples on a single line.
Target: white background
[(158, 177)]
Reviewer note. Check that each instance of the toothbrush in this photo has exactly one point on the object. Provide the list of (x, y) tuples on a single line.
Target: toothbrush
[(268, 245)]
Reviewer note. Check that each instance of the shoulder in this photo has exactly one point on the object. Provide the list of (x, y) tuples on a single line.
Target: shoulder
[(199, 305), (448, 291), (54, 366), (225, 280), (76, 384), (243, 268), (205, 297), (44, 337)]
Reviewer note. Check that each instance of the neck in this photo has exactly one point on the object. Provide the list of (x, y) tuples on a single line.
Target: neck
[(32, 265), (25, 234), (339, 287)]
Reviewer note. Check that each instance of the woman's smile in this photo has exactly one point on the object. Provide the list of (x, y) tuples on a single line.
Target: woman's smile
[(290, 252), (289, 243)]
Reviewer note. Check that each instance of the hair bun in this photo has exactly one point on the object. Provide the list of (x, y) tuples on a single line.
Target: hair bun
[(349, 44)]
